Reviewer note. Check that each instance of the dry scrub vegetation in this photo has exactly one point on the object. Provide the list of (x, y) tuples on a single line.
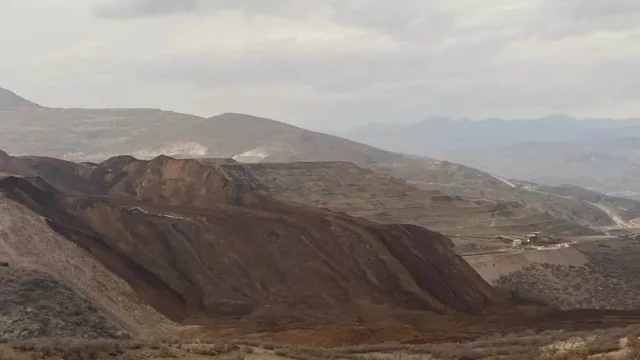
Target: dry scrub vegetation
[(34, 305), (610, 281), (620, 343)]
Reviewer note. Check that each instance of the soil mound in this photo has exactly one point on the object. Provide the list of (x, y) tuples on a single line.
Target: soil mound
[(200, 247)]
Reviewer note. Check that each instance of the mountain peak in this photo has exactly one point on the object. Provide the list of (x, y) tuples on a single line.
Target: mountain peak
[(10, 100), (246, 119), (558, 117)]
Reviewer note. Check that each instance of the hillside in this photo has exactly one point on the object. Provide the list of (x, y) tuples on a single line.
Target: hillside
[(600, 154), (588, 275), (611, 166), (94, 135), (622, 209), (35, 305), (202, 249), (36, 255), (357, 191), (11, 101)]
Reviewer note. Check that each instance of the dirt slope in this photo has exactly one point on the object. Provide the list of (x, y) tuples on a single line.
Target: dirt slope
[(199, 247), (27, 243)]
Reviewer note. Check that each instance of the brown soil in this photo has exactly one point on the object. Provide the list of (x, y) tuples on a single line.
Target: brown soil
[(228, 262), (204, 250)]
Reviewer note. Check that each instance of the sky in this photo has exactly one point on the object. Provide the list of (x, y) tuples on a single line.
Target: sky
[(328, 64)]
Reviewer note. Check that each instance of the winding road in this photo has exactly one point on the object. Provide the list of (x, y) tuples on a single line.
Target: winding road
[(620, 222)]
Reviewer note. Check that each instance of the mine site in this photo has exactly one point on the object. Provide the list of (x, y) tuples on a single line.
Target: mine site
[(328, 180)]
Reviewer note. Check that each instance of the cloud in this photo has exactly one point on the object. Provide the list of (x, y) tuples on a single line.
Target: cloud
[(138, 8), (340, 61)]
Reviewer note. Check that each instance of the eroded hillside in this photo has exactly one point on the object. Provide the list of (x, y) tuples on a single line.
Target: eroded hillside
[(198, 246)]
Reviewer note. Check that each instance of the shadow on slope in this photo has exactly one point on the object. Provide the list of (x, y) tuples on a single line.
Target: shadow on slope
[(200, 247)]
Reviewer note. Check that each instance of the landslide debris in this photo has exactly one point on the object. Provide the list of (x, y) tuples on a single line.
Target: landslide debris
[(201, 248)]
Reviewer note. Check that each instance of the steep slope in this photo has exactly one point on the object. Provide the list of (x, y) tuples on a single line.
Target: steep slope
[(36, 305), (199, 247), (30, 246), (10, 101)]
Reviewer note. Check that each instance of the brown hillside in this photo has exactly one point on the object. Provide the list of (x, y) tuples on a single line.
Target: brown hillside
[(345, 187), (28, 245), (198, 246)]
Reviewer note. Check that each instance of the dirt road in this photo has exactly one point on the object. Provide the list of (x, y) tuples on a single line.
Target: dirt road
[(620, 222)]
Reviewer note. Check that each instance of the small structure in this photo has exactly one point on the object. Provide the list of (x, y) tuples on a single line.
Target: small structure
[(630, 236), (531, 239), (517, 243)]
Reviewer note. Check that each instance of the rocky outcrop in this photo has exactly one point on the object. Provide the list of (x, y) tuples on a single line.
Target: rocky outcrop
[(196, 245)]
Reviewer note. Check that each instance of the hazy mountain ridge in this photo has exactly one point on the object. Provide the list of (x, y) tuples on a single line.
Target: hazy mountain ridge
[(440, 135), (606, 166), (10, 100), (600, 154), (94, 135)]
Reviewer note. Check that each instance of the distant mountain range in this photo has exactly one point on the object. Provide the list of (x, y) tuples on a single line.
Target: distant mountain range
[(93, 135), (600, 154)]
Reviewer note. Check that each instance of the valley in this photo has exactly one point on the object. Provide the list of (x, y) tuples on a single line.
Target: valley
[(176, 231), (242, 237), (319, 180), (95, 135)]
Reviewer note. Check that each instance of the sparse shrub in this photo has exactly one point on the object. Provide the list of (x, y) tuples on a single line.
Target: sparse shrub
[(214, 350), (281, 352), (166, 352), (134, 345)]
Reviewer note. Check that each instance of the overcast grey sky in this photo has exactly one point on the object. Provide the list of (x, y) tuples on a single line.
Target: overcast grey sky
[(343, 62)]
